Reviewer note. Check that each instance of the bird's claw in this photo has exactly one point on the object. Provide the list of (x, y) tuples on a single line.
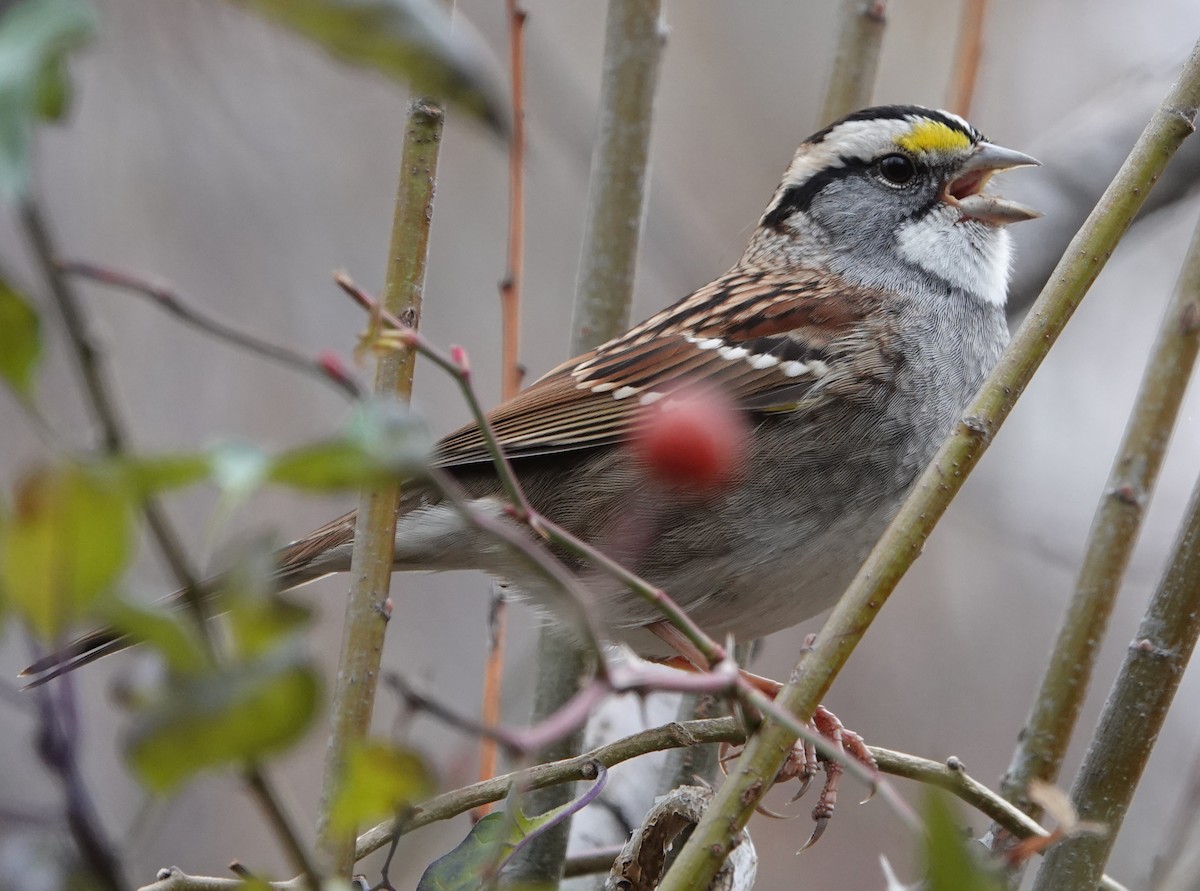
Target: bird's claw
[(804, 762)]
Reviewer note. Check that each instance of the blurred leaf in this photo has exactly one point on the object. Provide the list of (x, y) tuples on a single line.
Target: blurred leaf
[(383, 442), (35, 37), (168, 631), (949, 863), (259, 617), (379, 780), (228, 717), (20, 343), (239, 467), (410, 40), (66, 542), (158, 473)]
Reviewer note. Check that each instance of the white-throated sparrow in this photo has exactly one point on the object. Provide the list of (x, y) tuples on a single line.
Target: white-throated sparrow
[(865, 312)]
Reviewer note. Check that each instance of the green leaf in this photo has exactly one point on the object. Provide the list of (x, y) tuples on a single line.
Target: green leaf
[(233, 716), (486, 847), (35, 38), (460, 870), (379, 780), (168, 631), (949, 864), (146, 475), (66, 542), (383, 442), (410, 40), (20, 341)]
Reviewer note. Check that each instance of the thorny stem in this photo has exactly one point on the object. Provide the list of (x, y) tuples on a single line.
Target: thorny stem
[(375, 526), (1114, 533), (736, 800)]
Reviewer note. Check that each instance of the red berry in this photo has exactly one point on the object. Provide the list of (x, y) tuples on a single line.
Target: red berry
[(692, 439)]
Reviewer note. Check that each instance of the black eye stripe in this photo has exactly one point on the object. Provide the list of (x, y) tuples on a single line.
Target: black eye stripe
[(800, 197)]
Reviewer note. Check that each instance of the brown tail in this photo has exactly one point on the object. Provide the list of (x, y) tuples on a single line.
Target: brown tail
[(299, 563)]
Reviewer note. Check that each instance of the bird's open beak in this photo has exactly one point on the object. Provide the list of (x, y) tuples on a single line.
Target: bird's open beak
[(965, 191)]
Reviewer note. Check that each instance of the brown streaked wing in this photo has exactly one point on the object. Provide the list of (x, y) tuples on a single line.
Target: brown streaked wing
[(592, 400)]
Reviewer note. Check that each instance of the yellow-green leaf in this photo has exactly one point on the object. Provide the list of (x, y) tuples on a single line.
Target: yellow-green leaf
[(20, 340), (378, 780), (168, 631), (241, 713), (410, 40), (65, 543)]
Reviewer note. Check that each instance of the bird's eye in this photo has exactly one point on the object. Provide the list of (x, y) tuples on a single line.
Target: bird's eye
[(897, 169)]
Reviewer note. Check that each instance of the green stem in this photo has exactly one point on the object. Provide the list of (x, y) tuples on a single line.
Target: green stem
[(738, 797), (1111, 541), (1133, 716), (375, 527)]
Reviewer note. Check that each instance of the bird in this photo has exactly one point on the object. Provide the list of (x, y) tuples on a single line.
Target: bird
[(866, 310)]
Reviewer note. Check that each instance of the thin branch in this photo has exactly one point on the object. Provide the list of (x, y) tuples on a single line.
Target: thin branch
[(277, 818), (856, 57), (511, 372), (738, 797), (1134, 714), (56, 746), (510, 287), (590, 862), (1114, 533), (166, 297), (114, 439), (967, 54), (375, 527)]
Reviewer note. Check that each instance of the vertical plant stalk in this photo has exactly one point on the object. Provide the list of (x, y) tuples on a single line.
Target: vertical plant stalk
[(856, 58), (511, 372), (633, 46), (375, 529), (1111, 540), (904, 538), (1133, 714), (967, 54)]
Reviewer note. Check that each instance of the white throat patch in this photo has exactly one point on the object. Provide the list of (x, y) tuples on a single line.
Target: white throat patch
[(966, 253)]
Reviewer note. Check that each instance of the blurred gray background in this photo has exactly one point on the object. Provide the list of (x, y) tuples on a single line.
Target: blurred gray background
[(241, 164)]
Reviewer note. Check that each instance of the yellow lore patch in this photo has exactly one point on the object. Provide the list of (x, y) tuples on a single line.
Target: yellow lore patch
[(934, 137)]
